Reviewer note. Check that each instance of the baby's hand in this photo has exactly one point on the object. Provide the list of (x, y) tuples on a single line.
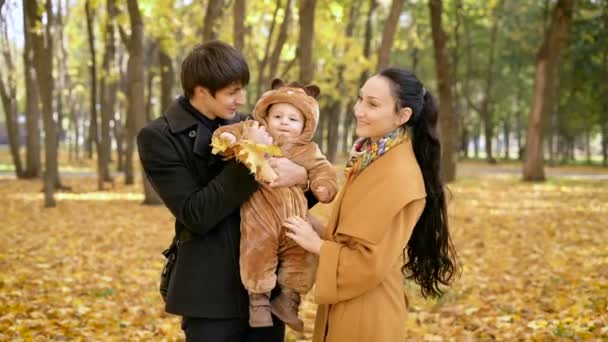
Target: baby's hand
[(228, 137), (258, 134), (322, 193)]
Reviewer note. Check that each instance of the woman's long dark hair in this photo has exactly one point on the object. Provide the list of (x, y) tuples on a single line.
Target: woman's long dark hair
[(432, 257)]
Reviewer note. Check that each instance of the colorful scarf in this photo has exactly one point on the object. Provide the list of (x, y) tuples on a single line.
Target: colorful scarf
[(364, 151)]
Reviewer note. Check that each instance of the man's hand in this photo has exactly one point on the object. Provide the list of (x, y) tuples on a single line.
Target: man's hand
[(289, 173)]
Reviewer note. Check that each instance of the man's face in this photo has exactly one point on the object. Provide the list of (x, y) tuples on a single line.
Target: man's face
[(225, 103)]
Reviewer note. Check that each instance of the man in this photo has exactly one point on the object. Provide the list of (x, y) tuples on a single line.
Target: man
[(204, 194)]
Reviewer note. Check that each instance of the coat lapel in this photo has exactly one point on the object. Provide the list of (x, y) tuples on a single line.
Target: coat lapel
[(374, 196)]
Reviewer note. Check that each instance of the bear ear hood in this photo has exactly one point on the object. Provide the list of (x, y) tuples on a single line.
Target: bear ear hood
[(302, 97)]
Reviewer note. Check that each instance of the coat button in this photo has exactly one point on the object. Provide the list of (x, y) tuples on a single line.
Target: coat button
[(192, 134)]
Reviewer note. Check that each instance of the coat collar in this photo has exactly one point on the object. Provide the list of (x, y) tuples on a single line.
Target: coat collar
[(377, 193), (181, 116)]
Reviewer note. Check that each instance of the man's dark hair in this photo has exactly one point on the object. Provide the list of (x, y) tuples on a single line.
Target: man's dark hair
[(213, 65)]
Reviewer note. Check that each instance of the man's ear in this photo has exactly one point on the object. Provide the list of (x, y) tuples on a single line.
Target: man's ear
[(201, 92), (404, 115)]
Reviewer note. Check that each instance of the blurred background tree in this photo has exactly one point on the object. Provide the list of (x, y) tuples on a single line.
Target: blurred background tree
[(514, 80)]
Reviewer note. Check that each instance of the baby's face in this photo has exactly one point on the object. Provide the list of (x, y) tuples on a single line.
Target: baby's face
[(285, 120)]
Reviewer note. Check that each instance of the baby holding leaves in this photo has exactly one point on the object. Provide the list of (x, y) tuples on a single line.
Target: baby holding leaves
[(290, 114)]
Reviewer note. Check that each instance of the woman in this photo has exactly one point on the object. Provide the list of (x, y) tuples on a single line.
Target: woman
[(393, 199)]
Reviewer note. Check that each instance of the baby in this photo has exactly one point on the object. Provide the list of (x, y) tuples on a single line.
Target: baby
[(290, 114)]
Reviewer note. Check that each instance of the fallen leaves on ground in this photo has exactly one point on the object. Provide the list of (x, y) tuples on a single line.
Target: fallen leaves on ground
[(534, 257)]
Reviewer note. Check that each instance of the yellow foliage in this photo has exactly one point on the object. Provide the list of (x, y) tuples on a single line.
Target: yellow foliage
[(254, 156), (534, 258), (219, 145)]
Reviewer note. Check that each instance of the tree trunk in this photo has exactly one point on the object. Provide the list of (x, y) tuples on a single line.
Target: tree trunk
[(262, 64), (120, 129), (166, 73), (466, 91), (75, 114), (8, 94), (588, 147), (135, 87), (278, 47), (10, 109), (339, 110), (488, 133), (605, 137), (167, 77), (457, 97), (119, 136), (334, 115), (388, 34), (306, 39), (62, 66), (93, 138), (519, 125), (213, 13), (464, 136), (319, 137), (486, 108), (239, 24), (546, 64), (605, 95), (551, 138), (149, 94), (507, 133), (109, 88), (33, 166), (448, 122), (150, 59), (476, 137), (349, 123), (43, 56)]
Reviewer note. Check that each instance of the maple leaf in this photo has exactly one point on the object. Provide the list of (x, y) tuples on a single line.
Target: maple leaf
[(219, 145), (255, 157)]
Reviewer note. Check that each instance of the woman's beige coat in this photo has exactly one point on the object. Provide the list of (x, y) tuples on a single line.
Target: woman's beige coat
[(359, 283)]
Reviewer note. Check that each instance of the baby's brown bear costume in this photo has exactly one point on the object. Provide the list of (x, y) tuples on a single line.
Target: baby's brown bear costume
[(264, 246)]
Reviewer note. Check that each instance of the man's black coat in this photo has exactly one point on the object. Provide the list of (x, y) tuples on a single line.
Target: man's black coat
[(204, 194)]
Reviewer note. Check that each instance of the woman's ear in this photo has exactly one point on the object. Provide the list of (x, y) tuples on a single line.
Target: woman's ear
[(404, 115)]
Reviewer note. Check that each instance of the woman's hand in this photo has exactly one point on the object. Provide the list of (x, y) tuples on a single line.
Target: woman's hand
[(289, 173), (302, 233)]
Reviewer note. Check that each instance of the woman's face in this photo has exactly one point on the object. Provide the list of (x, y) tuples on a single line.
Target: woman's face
[(375, 109)]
